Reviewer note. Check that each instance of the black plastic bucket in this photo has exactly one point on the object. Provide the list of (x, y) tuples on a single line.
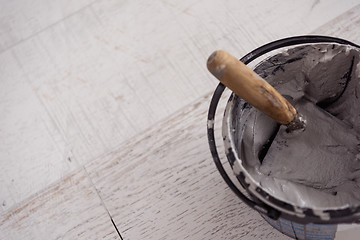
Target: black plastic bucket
[(295, 221)]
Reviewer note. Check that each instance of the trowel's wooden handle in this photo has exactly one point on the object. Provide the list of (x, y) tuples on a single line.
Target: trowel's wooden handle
[(250, 87)]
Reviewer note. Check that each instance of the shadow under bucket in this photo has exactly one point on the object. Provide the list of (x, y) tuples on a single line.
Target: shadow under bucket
[(303, 204)]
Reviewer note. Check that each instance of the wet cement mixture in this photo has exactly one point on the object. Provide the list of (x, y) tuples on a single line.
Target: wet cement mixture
[(318, 167)]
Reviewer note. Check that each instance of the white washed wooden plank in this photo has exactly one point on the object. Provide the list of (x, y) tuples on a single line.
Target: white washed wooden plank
[(81, 83), (164, 185), (20, 19), (32, 151), (69, 209), (344, 26)]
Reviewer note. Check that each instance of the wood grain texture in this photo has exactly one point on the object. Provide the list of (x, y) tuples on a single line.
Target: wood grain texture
[(69, 209), (344, 26), (164, 185), (32, 150), (21, 19)]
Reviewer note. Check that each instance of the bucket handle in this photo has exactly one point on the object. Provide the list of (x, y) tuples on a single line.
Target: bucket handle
[(260, 207)]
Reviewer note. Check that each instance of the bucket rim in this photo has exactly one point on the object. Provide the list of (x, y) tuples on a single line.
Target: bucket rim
[(261, 200)]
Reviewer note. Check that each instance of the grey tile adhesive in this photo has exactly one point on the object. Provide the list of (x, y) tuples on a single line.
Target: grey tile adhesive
[(301, 190)]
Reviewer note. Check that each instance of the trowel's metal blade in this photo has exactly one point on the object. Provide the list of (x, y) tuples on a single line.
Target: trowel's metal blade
[(324, 154)]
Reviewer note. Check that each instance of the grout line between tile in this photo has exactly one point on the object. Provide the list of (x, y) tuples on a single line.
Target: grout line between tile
[(102, 201)]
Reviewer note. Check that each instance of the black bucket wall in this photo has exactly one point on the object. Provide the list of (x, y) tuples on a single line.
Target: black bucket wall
[(330, 70)]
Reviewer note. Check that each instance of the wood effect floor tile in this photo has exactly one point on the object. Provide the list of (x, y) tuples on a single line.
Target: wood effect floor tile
[(69, 209)]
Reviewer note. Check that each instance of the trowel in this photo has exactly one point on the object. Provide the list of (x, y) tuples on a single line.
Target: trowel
[(311, 138)]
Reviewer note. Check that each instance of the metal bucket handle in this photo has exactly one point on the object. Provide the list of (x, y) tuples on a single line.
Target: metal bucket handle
[(259, 206)]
